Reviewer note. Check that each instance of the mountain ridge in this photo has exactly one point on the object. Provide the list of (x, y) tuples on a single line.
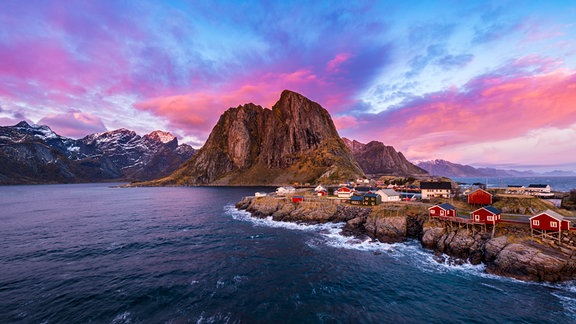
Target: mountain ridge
[(36, 154)]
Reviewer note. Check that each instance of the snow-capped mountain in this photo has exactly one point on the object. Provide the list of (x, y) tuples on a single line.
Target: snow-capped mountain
[(35, 154)]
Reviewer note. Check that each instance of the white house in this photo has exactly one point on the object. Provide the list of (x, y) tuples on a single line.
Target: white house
[(388, 195), (435, 189), (320, 188), (344, 192), (285, 190)]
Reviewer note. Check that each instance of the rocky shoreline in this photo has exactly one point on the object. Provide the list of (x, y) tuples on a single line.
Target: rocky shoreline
[(507, 251)]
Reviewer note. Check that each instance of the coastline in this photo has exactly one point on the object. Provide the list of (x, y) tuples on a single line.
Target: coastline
[(509, 251)]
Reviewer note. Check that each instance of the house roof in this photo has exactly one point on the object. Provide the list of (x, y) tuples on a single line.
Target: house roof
[(373, 195), (357, 198), (515, 186), (492, 209), (445, 206), (538, 186), (436, 185), (550, 213), (389, 192)]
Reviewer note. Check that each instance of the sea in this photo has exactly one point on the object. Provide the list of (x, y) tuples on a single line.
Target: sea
[(560, 184), (95, 253)]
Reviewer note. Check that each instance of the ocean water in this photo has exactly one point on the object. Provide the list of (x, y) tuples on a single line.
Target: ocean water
[(91, 253), (564, 184)]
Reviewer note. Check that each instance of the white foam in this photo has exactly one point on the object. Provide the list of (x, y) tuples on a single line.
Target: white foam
[(122, 318)]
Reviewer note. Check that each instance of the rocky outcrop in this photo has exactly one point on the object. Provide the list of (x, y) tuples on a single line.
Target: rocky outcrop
[(295, 141), (509, 251), (377, 159), (35, 154)]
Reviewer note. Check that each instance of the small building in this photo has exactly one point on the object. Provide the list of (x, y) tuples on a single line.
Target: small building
[(486, 215), (388, 195), (321, 193), (260, 194), (320, 188), (435, 189), (537, 189), (344, 192), (549, 225), (285, 190), (442, 210), (515, 189), (549, 220), (480, 197), (297, 199), (372, 199), (356, 200)]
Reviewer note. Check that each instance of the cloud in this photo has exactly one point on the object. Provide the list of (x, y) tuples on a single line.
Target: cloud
[(75, 124), (489, 108)]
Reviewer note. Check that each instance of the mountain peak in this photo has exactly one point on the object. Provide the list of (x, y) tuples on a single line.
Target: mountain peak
[(23, 124), (164, 137)]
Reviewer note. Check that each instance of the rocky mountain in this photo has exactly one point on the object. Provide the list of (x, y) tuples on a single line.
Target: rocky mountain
[(377, 159), (35, 154), (448, 169), (295, 141)]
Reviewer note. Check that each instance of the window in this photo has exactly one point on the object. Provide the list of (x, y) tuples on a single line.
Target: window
[(536, 222), (477, 217), (490, 218), (553, 224), (441, 213), (432, 211)]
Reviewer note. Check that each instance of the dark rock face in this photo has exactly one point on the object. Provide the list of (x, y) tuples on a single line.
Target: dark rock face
[(295, 141), (377, 159), (35, 154), (520, 258)]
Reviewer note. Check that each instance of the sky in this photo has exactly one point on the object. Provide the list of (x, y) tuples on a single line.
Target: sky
[(484, 83)]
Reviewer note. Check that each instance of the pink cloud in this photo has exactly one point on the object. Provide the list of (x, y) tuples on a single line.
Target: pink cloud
[(74, 124), (334, 65), (489, 108)]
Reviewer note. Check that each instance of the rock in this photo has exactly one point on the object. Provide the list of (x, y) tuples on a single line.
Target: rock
[(386, 229), (295, 141)]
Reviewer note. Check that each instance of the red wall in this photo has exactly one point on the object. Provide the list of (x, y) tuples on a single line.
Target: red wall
[(545, 223), (483, 213), (447, 213), (480, 197)]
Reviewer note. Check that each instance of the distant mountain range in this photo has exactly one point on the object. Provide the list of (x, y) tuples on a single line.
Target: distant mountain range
[(377, 159), (448, 169), (35, 154)]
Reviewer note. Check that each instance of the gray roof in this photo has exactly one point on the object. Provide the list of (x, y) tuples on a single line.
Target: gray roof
[(550, 213), (389, 192), (436, 185)]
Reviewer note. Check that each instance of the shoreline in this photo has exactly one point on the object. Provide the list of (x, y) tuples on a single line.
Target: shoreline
[(509, 251)]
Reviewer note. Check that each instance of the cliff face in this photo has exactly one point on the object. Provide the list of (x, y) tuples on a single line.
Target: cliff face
[(295, 141), (377, 159)]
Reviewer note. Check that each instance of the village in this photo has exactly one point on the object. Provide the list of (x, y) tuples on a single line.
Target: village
[(476, 206)]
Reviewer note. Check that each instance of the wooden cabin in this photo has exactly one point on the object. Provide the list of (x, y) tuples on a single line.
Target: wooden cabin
[(549, 220), (442, 210), (480, 197), (321, 193), (486, 215), (297, 199)]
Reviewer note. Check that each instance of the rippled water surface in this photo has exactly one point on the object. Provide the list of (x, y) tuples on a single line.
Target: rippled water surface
[(92, 253)]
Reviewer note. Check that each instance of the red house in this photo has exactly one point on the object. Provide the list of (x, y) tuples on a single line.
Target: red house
[(549, 221), (442, 210), (321, 193), (297, 199), (480, 197), (486, 215)]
